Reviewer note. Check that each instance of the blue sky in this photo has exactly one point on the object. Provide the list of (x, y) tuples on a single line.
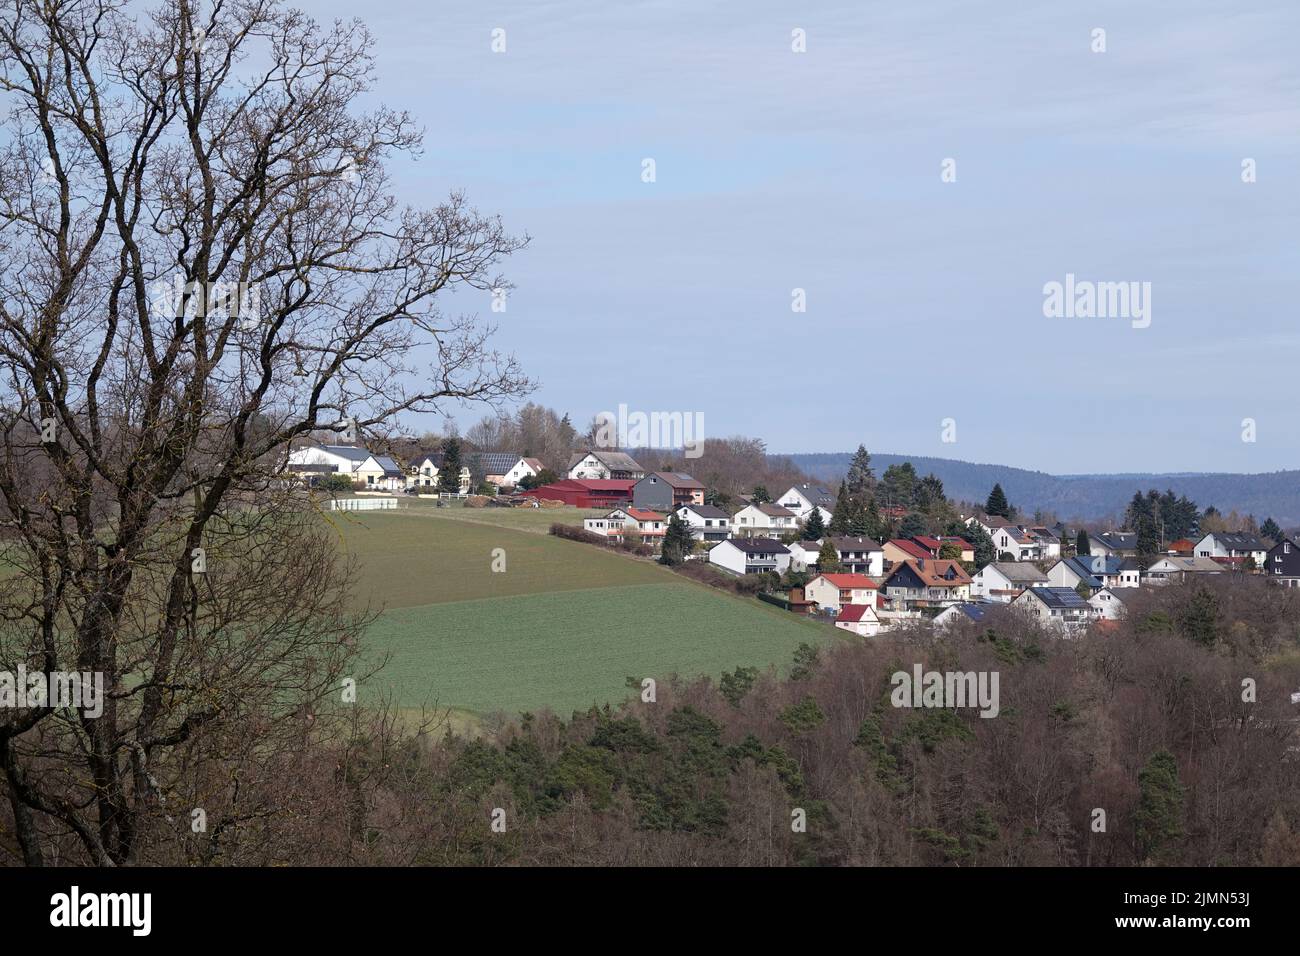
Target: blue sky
[(821, 171)]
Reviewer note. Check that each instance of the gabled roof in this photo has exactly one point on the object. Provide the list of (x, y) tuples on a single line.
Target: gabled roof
[(1019, 572), (975, 612), (1238, 540), (705, 511), (811, 546), (1194, 563), (613, 460), (1058, 599), (936, 572), (1120, 540), (854, 613), (910, 547), (817, 494), (1091, 565), (847, 543), (391, 470), (640, 514), (846, 581), (350, 452), (436, 457), (493, 462), (676, 480), (757, 545), (774, 511), (534, 463)]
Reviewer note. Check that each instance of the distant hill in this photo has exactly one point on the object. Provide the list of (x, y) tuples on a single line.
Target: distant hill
[(1092, 497)]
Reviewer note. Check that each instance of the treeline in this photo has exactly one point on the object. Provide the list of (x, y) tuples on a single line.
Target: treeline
[(1165, 741)]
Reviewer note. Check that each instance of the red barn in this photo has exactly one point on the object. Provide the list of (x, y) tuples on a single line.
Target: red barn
[(586, 492)]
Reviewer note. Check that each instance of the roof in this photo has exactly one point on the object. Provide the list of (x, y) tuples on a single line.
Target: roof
[(613, 460), (813, 546), (1059, 598), (936, 544), (534, 463), (391, 470), (1121, 540), (350, 452), (605, 486), (1238, 540), (706, 511), (976, 612), (1190, 563), (817, 494), (845, 581), (493, 462), (774, 511), (436, 458), (640, 514), (855, 544), (1020, 572), (853, 613), (676, 480), (910, 547), (1090, 565), (757, 545), (936, 572)]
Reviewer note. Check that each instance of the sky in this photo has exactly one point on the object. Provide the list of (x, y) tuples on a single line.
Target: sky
[(822, 170)]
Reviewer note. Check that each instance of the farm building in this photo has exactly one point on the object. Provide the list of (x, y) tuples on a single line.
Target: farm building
[(586, 492)]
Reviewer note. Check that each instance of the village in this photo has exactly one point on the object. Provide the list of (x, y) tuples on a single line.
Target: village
[(1066, 578)]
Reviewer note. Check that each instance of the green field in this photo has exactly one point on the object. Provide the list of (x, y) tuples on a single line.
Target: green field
[(562, 627)]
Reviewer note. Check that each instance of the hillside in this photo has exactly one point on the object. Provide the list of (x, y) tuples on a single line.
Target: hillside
[(1091, 497)]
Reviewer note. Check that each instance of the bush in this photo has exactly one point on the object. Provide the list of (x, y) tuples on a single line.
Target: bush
[(578, 534), (336, 482)]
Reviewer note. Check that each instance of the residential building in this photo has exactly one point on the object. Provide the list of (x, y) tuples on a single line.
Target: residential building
[(1282, 563), (604, 466), (927, 583), (764, 520), (960, 613), (1108, 543), (1232, 548), (707, 522), (1099, 571), (426, 468), (833, 590), (1173, 569), (750, 555), (1107, 605), (934, 546), (1016, 543), (802, 499), (898, 550), (860, 619), (650, 525), (804, 555), (1003, 581), (1061, 608), (667, 490), (860, 555)]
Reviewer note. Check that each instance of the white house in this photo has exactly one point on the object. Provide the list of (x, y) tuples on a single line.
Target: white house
[(327, 459), (1061, 608), (1173, 568), (750, 555), (604, 465), (765, 520), (1113, 543), (1107, 605), (804, 554), (860, 619), (1004, 580), (835, 590), (651, 525), (1099, 571), (1236, 547), (860, 555), (380, 473), (425, 469), (957, 613), (707, 522), (802, 499), (1020, 544), (523, 468)]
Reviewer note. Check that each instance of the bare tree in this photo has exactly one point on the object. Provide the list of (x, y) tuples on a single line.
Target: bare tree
[(200, 261)]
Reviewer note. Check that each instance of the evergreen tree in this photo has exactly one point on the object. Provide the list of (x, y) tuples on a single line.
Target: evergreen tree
[(985, 551), (814, 529), (1081, 544), (1269, 529), (866, 522), (760, 495), (860, 479), (898, 485), (449, 473), (912, 525), (678, 541), (828, 559), (1199, 620), (997, 505), (842, 516), (1159, 815)]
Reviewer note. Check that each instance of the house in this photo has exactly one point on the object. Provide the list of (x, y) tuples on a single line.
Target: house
[(804, 555), (834, 590), (960, 613), (934, 546), (667, 490), (649, 524), (585, 493), (1172, 569), (861, 619), (1232, 548), (521, 469), (1107, 605), (1183, 547), (765, 520), (1016, 542), (929, 582), (1282, 563), (1049, 543), (802, 499), (1004, 580), (990, 523), (492, 465), (898, 550), (604, 466), (1099, 571), (375, 472), (750, 555), (707, 522), (1130, 573), (1061, 608), (425, 469), (860, 555), (1106, 543)]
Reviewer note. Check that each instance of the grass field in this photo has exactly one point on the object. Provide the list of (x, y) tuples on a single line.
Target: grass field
[(562, 627)]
